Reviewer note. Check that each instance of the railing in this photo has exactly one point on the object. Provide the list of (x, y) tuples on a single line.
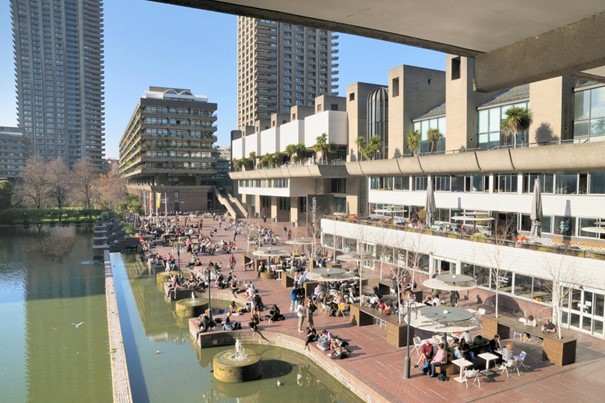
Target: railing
[(573, 248)]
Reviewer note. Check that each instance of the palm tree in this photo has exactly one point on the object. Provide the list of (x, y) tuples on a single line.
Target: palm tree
[(321, 147), (414, 138), (433, 134), (291, 151), (361, 145), (517, 121), (301, 151), (373, 147), (252, 157)]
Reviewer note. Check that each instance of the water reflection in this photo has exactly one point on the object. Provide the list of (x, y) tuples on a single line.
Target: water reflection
[(45, 357), (182, 370)]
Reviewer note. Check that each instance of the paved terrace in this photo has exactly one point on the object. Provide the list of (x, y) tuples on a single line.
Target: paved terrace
[(378, 365)]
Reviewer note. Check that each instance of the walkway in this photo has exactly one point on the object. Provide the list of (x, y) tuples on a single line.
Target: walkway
[(380, 366)]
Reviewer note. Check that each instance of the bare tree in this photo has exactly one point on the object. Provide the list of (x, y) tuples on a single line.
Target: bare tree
[(563, 275), (110, 189), (57, 176), (58, 242), (32, 189), (84, 174)]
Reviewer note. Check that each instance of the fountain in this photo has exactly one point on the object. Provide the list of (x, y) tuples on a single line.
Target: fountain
[(190, 307), (236, 365)]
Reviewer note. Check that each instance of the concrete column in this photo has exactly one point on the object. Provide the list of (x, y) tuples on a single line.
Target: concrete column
[(294, 210)]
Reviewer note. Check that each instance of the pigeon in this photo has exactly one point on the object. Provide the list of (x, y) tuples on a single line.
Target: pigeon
[(77, 325), (279, 383)]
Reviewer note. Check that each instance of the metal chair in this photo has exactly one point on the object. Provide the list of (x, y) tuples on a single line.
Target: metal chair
[(510, 365), (417, 344), (519, 332), (521, 360), (474, 375)]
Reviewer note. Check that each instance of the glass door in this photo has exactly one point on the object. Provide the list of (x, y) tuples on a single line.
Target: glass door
[(583, 310)]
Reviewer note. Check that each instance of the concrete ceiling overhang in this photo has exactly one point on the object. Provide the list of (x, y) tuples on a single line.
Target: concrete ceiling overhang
[(513, 42)]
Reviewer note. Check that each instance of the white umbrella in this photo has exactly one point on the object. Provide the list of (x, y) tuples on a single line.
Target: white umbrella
[(536, 211), (429, 205), (436, 284), (443, 319)]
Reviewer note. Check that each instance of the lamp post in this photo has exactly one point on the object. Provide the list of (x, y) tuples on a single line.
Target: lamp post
[(406, 362), (178, 253)]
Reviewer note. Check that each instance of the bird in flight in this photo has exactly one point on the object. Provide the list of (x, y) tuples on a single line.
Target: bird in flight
[(77, 325)]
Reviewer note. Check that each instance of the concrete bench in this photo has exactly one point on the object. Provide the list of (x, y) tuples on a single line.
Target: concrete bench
[(396, 332)]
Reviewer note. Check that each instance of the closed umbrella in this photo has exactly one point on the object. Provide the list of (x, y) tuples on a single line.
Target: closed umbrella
[(429, 206), (536, 211)]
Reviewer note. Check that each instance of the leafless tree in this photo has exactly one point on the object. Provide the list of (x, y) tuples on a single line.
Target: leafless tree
[(563, 275), (57, 177), (32, 189), (110, 189), (84, 175)]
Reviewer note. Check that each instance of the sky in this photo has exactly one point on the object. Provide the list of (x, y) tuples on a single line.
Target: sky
[(153, 44)]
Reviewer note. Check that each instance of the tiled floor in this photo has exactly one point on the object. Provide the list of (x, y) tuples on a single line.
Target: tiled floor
[(380, 365)]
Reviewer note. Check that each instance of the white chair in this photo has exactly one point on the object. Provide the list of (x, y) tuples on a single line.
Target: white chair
[(417, 344), (472, 374), (323, 309), (437, 338), (510, 365), (521, 360), (519, 332)]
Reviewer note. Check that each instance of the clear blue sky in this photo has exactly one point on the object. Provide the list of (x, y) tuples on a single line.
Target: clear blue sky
[(148, 43)]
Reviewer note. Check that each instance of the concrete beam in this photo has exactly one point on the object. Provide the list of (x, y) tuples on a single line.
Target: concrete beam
[(564, 51), (248, 11)]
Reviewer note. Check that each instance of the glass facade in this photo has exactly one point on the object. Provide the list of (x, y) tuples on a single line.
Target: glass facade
[(589, 113), (490, 127), (423, 127)]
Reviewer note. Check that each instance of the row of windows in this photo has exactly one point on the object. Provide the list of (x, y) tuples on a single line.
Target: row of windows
[(179, 165), (163, 110), (177, 122), (193, 134), (178, 154), (264, 183), (557, 183)]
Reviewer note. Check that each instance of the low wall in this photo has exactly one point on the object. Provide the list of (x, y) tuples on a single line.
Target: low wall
[(224, 338)]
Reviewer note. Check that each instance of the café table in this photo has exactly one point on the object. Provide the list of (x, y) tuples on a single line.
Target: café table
[(488, 357), (462, 363)]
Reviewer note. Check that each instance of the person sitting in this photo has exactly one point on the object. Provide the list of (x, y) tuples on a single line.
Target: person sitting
[(507, 353), (549, 327), (529, 321), (494, 344), (274, 314), (438, 360), (426, 353), (311, 336), (324, 341), (457, 350), (428, 300), (229, 325), (254, 320), (436, 300)]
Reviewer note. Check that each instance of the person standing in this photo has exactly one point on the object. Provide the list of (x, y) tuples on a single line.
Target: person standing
[(311, 307), (293, 298), (300, 313)]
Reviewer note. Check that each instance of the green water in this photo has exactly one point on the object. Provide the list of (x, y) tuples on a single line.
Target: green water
[(164, 365), (43, 356)]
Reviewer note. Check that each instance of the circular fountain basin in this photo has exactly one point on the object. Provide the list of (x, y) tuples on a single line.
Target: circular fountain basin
[(229, 369)]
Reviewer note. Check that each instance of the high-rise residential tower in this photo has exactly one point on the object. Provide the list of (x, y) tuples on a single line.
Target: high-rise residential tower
[(58, 46), (281, 65)]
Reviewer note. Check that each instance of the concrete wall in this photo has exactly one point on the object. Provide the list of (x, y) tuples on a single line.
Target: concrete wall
[(418, 90), (269, 141), (551, 104), (291, 133), (461, 102), (332, 123), (237, 149)]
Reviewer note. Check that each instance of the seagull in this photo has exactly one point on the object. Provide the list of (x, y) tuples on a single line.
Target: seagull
[(279, 383), (157, 352), (77, 325)]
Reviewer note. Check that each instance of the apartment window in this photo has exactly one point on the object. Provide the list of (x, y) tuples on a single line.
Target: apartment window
[(395, 87), (566, 183), (506, 183), (455, 68), (546, 182), (589, 113), (597, 182), (352, 96)]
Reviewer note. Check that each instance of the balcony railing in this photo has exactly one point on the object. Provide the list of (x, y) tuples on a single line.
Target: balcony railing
[(573, 248)]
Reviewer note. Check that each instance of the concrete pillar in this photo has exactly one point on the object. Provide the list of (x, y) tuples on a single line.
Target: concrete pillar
[(294, 210)]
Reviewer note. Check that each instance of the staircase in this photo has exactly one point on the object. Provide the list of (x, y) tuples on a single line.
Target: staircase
[(232, 205)]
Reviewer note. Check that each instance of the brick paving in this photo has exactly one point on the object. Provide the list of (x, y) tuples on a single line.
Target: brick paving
[(379, 365)]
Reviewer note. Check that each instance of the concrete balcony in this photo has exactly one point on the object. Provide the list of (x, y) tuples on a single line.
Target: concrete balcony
[(293, 171)]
